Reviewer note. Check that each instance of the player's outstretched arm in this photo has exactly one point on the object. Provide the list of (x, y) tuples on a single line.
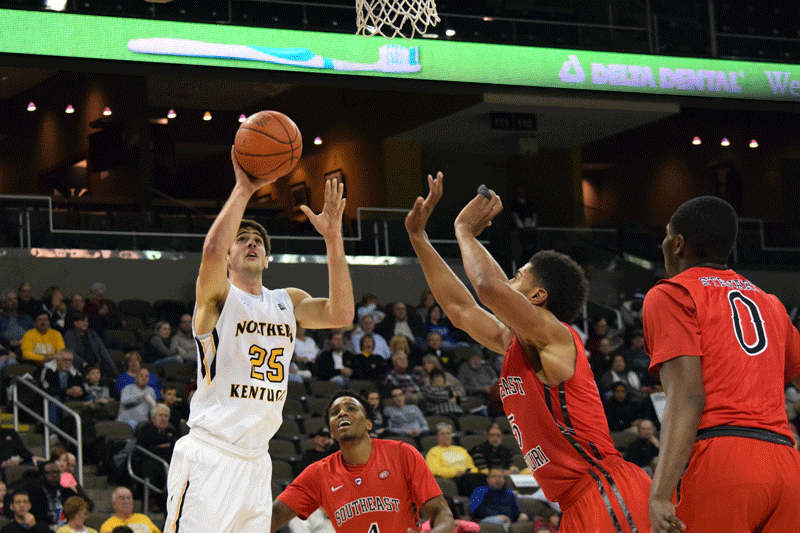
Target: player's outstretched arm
[(682, 378), (455, 299), (338, 309), (440, 515), (281, 514), (212, 281), (533, 325)]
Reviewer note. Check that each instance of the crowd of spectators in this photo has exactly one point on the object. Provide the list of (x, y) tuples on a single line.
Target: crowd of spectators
[(419, 366)]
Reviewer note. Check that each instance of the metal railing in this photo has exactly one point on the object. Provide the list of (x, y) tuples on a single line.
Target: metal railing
[(146, 481), (77, 440)]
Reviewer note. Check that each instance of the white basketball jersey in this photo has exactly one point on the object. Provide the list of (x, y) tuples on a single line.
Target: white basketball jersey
[(243, 369)]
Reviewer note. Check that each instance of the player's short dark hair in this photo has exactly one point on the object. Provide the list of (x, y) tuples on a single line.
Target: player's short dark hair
[(252, 224), (356, 396), (709, 226), (564, 281)]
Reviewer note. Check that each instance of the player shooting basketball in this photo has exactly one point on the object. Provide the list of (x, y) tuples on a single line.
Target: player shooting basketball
[(370, 485), (547, 389), (220, 473)]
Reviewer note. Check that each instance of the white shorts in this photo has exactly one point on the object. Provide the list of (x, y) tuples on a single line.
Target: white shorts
[(213, 490)]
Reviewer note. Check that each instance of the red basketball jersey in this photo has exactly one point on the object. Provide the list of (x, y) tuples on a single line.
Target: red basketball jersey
[(748, 344), (561, 430), (383, 495)]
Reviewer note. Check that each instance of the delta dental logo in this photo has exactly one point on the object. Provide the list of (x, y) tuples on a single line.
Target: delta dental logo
[(642, 76)]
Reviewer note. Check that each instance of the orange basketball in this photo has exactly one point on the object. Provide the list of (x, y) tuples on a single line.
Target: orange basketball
[(268, 145)]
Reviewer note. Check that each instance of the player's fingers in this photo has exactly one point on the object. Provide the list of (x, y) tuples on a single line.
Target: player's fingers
[(308, 212)]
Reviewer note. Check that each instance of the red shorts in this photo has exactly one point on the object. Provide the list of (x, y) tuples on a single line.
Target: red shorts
[(595, 505), (746, 484)]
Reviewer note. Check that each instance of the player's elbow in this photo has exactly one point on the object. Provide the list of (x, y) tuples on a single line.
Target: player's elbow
[(213, 250)]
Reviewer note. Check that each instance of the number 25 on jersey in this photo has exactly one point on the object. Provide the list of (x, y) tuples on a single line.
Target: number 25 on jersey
[(274, 369)]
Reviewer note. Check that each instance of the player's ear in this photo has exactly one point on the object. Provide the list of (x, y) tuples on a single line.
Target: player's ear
[(538, 296)]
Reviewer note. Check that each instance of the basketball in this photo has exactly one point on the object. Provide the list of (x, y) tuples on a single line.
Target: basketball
[(268, 145)]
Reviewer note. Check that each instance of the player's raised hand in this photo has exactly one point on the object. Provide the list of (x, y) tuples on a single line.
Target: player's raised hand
[(418, 217), (243, 179), (478, 214), (329, 222), (663, 519)]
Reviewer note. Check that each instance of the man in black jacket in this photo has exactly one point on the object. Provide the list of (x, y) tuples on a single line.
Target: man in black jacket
[(336, 364), (47, 496), (61, 379)]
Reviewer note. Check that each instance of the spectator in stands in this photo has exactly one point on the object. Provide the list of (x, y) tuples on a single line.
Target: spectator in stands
[(46, 494), (40, 344), (367, 327), (337, 364), (404, 419), (134, 363), (157, 350), (426, 301), (400, 343), (14, 452), (88, 347), (477, 375), (122, 502), (178, 409), (495, 503), (158, 437), (400, 322), (637, 357), (13, 324), (136, 400), (3, 491), (183, 342), (323, 447), (378, 420), (621, 410), (620, 372), (600, 360), (450, 461), (372, 366), (100, 310), (77, 304), (436, 321), (97, 395), (305, 349), (53, 303), (61, 457), (23, 521), (27, 303), (401, 376), (644, 449), (492, 453), (439, 399), (59, 378), (446, 356), (76, 509), (369, 307), (631, 310), (431, 362)]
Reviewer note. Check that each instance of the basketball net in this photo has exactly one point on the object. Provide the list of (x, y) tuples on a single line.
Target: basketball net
[(391, 18)]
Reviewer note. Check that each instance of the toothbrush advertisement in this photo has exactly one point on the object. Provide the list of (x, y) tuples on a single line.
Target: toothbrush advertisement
[(44, 33)]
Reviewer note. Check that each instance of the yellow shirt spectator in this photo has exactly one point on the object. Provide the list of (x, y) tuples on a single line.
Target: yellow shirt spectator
[(447, 460), (138, 522), (41, 343)]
